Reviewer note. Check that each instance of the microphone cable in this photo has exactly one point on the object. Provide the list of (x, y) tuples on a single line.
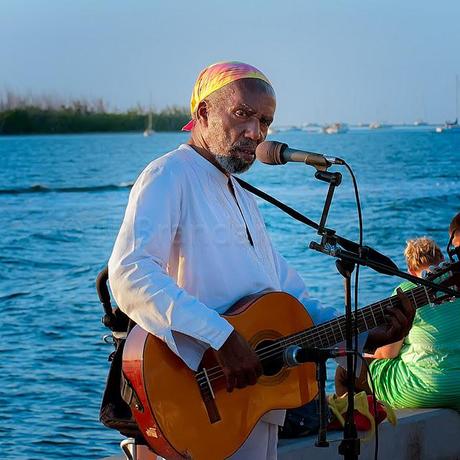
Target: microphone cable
[(363, 360), (360, 224), (360, 227)]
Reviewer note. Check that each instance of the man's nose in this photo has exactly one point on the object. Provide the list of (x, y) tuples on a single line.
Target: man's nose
[(253, 131)]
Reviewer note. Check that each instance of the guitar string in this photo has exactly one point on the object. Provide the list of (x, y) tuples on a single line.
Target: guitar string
[(307, 337), (301, 337), (423, 298), (421, 293), (216, 372), (322, 332)]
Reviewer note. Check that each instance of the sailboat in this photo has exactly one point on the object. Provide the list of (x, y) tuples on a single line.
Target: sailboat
[(335, 128), (451, 126), (149, 131)]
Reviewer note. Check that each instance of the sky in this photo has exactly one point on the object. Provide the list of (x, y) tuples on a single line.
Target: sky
[(329, 60)]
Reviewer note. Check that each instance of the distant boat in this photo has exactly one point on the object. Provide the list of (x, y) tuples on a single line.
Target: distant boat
[(452, 126), (311, 127), (420, 123), (335, 128), (149, 131), (378, 125)]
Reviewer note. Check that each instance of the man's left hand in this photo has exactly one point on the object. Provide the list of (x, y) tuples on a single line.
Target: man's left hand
[(398, 324)]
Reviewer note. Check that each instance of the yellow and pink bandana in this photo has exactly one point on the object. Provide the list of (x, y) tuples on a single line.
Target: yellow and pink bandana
[(217, 76)]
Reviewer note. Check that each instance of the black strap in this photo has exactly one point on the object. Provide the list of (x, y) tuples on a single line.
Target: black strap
[(232, 191), (128, 394), (287, 209), (348, 245)]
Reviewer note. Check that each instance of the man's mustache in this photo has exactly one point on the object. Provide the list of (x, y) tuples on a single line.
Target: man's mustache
[(245, 145)]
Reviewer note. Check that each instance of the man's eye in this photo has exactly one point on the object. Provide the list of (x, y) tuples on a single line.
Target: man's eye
[(241, 113)]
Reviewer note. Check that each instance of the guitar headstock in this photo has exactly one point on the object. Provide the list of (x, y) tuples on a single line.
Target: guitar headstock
[(446, 275)]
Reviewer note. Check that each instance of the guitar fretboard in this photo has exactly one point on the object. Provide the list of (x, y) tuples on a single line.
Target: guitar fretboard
[(331, 332)]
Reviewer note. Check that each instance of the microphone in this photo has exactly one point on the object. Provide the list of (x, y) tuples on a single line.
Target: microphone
[(277, 153), (295, 355)]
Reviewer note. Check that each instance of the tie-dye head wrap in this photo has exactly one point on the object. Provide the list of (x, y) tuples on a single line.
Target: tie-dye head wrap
[(217, 76)]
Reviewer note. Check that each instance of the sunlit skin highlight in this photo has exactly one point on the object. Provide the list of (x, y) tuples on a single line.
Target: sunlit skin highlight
[(456, 239)]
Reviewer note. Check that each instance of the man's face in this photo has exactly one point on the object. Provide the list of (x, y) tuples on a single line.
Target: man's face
[(238, 121)]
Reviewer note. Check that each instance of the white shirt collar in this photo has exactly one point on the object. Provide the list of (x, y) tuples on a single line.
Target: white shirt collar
[(206, 164)]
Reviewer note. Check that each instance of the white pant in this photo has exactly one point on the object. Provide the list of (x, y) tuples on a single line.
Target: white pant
[(260, 445)]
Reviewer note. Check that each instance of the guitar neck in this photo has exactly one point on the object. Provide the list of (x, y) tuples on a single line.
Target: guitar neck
[(332, 332)]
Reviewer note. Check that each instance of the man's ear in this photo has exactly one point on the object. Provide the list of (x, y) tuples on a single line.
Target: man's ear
[(202, 113)]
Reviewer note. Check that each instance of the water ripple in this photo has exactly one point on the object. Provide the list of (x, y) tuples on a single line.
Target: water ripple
[(45, 189)]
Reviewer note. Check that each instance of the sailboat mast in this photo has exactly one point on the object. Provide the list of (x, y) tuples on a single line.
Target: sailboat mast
[(456, 97), (149, 130)]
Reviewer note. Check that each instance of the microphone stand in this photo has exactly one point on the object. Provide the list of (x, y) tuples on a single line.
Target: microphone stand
[(350, 445), (295, 355), (349, 448), (348, 257)]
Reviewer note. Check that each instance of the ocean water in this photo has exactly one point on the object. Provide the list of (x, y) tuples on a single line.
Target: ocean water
[(62, 199)]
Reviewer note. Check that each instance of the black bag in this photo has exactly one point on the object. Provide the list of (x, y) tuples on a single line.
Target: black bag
[(115, 413)]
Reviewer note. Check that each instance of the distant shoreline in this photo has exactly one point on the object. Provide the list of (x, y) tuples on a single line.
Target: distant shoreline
[(34, 120), (95, 133)]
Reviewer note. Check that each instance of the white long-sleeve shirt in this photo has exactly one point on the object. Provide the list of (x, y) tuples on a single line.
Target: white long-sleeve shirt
[(183, 255)]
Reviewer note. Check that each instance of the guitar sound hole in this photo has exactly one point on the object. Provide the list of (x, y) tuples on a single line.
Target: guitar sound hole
[(271, 357)]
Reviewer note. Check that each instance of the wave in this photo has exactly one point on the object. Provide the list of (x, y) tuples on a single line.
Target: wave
[(428, 203), (13, 295), (44, 189)]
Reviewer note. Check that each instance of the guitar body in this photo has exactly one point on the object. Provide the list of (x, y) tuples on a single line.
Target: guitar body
[(186, 414), (178, 421)]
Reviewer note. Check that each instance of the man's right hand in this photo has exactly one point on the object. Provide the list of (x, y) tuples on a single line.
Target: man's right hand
[(239, 362)]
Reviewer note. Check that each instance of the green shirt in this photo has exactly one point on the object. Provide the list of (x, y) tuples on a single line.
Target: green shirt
[(427, 371)]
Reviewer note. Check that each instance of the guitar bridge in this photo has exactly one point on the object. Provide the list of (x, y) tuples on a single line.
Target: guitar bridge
[(207, 394)]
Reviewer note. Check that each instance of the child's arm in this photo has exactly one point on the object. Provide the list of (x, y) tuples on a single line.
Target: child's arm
[(389, 351)]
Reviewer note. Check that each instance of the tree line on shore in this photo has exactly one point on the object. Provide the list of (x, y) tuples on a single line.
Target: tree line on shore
[(49, 115)]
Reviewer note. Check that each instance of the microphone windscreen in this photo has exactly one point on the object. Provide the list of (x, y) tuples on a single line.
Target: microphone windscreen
[(270, 152)]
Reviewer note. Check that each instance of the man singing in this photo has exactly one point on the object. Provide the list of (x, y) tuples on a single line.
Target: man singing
[(193, 242)]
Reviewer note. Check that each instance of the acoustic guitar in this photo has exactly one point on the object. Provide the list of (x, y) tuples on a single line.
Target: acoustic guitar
[(186, 414)]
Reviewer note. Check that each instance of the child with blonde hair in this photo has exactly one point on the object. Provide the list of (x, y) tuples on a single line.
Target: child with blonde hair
[(423, 369), (420, 254)]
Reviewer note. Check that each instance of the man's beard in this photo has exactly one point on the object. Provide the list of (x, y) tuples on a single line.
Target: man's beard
[(232, 162), (233, 165)]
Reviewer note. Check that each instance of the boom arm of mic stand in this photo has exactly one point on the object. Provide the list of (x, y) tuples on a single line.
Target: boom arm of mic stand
[(381, 268), (344, 242), (385, 264)]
